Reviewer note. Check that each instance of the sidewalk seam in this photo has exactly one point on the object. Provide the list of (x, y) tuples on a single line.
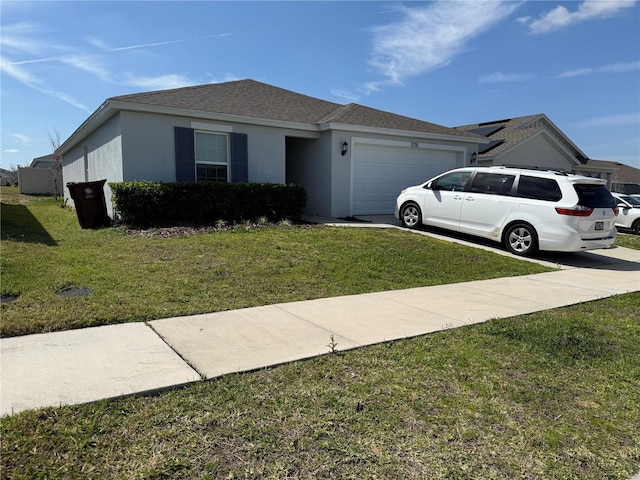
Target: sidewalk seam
[(193, 367)]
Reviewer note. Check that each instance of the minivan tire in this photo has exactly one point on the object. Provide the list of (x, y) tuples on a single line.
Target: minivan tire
[(521, 239), (411, 216)]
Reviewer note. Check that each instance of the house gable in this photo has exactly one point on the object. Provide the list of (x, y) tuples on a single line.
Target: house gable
[(513, 141)]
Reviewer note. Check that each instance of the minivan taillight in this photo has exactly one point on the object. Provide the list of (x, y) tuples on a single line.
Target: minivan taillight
[(576, 211), (616, 211)]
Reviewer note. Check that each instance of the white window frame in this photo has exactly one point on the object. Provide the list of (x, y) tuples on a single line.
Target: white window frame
[(227, 163)]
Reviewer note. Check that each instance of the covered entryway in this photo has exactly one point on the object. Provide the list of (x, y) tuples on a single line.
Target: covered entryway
[(381, 169)]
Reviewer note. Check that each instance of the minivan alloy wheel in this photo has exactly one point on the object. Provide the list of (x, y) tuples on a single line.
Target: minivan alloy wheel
[(410, 215), (521, 239)]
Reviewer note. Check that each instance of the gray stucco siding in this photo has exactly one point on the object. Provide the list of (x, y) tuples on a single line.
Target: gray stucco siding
[(104, 159), (148, 149), (266, 150), (538, 152)]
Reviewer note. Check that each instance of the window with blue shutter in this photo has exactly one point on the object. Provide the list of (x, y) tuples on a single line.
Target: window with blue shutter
[(202, 156), (185, 155), (239, 157)]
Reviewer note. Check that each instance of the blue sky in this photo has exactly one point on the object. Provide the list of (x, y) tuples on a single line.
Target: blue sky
[(448, 62)]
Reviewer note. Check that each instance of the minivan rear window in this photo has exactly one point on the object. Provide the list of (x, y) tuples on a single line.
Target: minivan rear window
[(539, 188), (595, 196)]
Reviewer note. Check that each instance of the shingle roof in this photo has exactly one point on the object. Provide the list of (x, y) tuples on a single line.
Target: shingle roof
[(513, 131), (249, 98), (624, 173), (354, 114)]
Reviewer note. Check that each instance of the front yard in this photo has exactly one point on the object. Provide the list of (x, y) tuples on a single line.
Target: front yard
[(552, 395), (144, 275)]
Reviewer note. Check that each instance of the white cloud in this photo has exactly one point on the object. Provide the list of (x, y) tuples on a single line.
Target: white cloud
[(96, 42), (22, 39), (22, 138), (612, 68), (560, 17), (26, 78), (18, 37), (89, 64), (580, 72), (499, 77), (347, 95), (620, 67), (430, 37), (11, 150), (228, 77), (161, 82), (612, 120)]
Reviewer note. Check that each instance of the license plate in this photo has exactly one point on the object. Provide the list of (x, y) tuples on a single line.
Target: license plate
[(599, 226)]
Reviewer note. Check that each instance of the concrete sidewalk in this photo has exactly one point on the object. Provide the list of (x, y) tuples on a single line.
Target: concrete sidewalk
[(85, 365)]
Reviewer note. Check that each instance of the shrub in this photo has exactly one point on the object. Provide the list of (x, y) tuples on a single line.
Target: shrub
[(147, 204)]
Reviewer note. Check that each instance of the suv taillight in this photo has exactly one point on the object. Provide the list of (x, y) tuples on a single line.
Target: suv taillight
[(576, 211), (616, 211)]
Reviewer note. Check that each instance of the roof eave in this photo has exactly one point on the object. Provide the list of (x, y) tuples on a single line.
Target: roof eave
[(402, 133), (97, 118), (110, 107), (203, 115)]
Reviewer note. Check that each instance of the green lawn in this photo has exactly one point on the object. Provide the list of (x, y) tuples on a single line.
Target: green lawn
[(552, 395), (628, 240), (136, 277)]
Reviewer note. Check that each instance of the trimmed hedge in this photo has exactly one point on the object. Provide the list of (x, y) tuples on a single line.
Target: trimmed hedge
[(148, 204)]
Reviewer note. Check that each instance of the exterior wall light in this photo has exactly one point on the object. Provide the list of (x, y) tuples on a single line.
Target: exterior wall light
[(474, 157), (345, 148)]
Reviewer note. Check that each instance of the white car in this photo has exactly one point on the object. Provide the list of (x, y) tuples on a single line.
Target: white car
[(526, 210), (629, 212)]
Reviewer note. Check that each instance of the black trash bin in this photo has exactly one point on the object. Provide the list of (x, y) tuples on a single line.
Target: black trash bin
[(91, 208)]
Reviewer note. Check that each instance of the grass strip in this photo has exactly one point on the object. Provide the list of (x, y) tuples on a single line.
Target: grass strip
[(551, 395)]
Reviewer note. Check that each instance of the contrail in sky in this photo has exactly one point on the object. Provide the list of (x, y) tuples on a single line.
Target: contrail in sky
[(120, 49)]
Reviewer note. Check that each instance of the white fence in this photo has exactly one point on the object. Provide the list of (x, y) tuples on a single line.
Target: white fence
[(39, 181)]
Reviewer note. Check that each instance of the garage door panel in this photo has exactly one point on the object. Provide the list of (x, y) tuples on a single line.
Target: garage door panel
[(380, 173)]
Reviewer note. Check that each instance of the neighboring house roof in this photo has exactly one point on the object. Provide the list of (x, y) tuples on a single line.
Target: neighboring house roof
[(622, 173), (46, 161), (244, 100), (506, 134)]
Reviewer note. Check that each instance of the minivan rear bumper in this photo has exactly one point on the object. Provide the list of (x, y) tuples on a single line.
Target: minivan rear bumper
[(572, 241)]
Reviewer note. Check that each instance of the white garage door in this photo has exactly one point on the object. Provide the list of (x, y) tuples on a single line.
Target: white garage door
[(380, 172)]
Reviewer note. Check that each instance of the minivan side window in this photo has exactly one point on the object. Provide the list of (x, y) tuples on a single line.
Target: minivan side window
[(453, 182), (539, 188), (492, 183)]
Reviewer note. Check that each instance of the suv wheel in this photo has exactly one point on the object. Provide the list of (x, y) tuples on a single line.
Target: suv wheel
[(410, 215), (521, 239)]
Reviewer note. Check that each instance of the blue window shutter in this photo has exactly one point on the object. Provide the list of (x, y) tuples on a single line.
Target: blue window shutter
[(239, 157), (185, 155)]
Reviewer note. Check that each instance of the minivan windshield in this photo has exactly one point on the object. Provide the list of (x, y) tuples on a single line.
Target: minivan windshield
[(595, 196)]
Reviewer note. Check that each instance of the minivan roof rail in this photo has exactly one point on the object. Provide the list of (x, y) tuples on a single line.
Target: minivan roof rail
[(535, 169)]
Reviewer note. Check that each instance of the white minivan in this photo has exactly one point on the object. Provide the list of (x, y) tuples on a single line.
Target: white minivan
[(526, 210)]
